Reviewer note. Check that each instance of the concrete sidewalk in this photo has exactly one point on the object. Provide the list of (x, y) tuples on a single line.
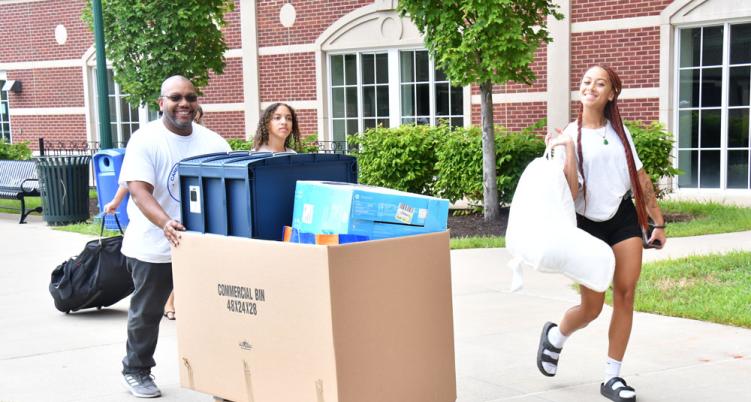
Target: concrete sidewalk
[(49, 356)]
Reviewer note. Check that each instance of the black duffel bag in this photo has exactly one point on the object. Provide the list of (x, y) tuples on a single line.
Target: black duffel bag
[(97, 277)]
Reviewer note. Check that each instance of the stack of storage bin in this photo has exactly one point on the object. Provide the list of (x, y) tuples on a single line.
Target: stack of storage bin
[(251, 194)]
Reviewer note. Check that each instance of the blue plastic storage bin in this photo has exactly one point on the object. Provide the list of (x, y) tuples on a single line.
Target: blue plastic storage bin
[(251, 194), (107, 166)]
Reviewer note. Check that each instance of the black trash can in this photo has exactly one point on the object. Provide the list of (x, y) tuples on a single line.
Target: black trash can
[(64, 185)]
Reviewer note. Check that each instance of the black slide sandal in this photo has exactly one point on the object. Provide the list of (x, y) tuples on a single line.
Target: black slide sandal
[(546, 345), (615, 394)]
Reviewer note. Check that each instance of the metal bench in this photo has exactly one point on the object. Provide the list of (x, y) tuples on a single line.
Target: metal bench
[(18, 179)]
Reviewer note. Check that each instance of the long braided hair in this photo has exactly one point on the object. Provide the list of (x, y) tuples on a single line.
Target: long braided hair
[(614, 115), (262, 132)]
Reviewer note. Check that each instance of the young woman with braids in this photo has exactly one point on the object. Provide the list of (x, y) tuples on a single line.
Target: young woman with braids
[(278, 130), (603, 171)]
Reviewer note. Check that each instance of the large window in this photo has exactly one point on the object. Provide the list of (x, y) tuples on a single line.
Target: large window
[(4, 114), (124, 118), (387, 88), (713, 106)]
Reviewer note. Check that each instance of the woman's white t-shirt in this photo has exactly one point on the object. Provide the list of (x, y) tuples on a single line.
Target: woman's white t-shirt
[(605, 168)]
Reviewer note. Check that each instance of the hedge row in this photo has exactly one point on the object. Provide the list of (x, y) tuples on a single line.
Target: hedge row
[(447, 163)]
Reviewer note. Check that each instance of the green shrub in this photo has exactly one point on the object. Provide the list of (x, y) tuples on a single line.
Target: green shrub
[(240, 145), (459, 165), (19, 151), (654, 146), (309, 143), (402, 158)]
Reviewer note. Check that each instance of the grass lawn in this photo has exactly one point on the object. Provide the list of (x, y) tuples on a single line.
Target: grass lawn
[(700, 219), (715, 288), (707, 218)]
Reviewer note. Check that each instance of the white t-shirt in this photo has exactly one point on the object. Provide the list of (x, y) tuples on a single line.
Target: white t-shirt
[(604, 167), (152, 156)]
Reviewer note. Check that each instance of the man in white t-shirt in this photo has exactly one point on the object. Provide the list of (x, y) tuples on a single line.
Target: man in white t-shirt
[(150, 172)]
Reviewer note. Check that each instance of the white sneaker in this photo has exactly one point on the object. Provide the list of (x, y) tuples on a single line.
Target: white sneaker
[(141, 385)]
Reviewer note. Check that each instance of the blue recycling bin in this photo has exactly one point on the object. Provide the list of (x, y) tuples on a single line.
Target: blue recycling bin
[(251, 195), (107, 166)]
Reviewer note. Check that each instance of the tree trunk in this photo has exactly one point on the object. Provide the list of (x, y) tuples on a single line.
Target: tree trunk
[(489, 183)]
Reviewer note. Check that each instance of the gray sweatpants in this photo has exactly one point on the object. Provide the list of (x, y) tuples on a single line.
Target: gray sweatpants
[(153, 284)]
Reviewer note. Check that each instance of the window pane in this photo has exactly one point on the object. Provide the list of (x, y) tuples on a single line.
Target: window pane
[(712, 46), (738, 169), (368, 68), (688, 129), (3, 94), (457, 101), (689, 89), (3, 108), (382, 68), (422, 120), (710, 169), (339, 130), (711, 88), (442, 99), (368, 102), (368, 123), (408, 100), (738, 128), (690, 40), (337, 70), (125, 111), (351, 100), (440, 76), (422, 66), (350, 69), (740, 44), (457, 122), (688, 162), (710, 128), (740, 84), (383, 123), (111, 82), (382, 93), (407, 66), (352, 126), (423, 99), (337, 102), (408, 120), (113, 109)]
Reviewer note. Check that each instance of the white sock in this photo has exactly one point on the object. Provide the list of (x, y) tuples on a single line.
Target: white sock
[(557, 339), (613, 369)]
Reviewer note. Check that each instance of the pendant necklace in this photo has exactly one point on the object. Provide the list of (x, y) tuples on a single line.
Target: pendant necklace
[(604, 132)]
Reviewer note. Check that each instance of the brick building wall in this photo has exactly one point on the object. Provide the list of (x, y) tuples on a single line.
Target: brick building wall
[(48, 88), (596, 10), (513, 116), (313, 17), (62, 130), (287, 77), (28, 31)]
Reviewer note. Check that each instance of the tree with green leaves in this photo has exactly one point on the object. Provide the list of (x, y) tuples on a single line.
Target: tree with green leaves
[(148, 41), (483, 42)]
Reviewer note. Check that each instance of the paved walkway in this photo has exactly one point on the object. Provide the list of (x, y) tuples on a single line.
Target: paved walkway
[(49, 356)]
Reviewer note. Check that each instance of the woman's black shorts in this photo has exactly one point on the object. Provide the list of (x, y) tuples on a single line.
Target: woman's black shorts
[(622, 226)]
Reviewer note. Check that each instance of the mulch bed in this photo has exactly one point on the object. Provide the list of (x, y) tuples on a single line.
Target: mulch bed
[(475, 225)]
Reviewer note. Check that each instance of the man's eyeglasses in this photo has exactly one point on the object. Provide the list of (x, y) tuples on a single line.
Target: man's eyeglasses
[(177, 97)]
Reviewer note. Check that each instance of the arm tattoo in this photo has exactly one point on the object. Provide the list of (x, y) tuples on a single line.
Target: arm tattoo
[(649, 192)]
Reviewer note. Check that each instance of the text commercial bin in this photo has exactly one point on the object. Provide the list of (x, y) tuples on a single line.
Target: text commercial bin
[(64, 185), (107, 166), (252, 195)]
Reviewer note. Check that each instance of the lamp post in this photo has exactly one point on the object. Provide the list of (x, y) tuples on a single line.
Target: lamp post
[(105, 134)]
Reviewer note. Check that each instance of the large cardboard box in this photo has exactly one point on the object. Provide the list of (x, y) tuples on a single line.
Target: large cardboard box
[(266, 321)]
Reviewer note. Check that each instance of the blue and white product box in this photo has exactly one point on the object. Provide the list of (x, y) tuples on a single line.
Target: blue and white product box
[(375, 212)]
